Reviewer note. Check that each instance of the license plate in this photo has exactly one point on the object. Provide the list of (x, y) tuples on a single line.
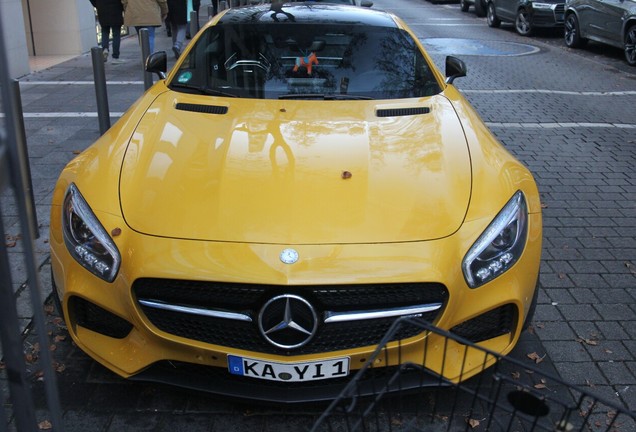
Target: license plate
[(290, 372)]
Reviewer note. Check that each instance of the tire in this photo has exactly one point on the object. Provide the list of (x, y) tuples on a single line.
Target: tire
[(464, 6), (56, 297), (480, 8), (523, 23), (572, 32), (630, 45), (533, 307), (491, 16)]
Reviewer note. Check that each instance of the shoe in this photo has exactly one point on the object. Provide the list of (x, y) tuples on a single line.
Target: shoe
[(176, 52), (118, 61), (105, 55)]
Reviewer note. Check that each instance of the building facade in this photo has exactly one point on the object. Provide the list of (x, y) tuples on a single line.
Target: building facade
[(35, 28)]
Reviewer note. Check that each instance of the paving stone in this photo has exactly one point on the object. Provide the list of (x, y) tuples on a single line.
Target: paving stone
[(617, 373), (578, 312), (566, 351)]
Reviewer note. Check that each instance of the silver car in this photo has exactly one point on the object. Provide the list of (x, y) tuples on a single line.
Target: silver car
[(612, 22)]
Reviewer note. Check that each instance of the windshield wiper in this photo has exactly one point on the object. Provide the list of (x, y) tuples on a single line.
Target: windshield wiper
[(201, 90), (329, 96)]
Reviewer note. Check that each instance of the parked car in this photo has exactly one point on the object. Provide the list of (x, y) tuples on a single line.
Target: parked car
[(479, 5), (526, 14), (302, 177), (611, 22)]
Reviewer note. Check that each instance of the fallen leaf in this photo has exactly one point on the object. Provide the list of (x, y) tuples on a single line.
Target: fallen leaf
[(396, 422), (544, 205), (540, 386), (45, 425), (53, 347), (76, 152), (588, 341), (473, 423), (536, 357), (516, 375), (609, 351), (49, 309), (60, 338)]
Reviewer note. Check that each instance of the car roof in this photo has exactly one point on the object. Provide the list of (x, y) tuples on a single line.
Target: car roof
[(308, 13)]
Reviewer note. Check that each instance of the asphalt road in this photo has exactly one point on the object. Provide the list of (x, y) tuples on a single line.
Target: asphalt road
[(567, 114)]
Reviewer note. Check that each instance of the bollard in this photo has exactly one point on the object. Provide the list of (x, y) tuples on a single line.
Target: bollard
[(101, 95), (223, 5), (145, 52), (21, 146), (194, 23), (210, 12)]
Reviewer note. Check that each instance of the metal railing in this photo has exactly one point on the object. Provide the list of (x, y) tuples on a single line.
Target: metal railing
[(15, 175)]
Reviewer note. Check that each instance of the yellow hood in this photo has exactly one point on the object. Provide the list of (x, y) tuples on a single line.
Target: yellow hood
[(296, 172)]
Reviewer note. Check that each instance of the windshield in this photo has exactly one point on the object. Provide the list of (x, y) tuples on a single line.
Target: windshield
[(305, 61)]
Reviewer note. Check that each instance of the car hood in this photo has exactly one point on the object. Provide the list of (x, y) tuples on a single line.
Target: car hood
[(296, 172)]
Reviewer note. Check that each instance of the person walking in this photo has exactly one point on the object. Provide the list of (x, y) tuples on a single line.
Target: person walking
[(110, 14), (146, 14), (178, 19)]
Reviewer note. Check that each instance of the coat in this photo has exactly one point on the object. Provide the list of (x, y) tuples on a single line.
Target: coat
[(178, 12), (109, 12), (144, 13)]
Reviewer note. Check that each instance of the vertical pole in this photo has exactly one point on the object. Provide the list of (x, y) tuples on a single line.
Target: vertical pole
[(223, 5), (145, 52), (210, 12), (101, 95), (194, 23), (21, 148), (18, 170)]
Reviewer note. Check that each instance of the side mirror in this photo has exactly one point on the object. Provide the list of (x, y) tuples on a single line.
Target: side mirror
[(366, 3), (455, 68), (157, 62)]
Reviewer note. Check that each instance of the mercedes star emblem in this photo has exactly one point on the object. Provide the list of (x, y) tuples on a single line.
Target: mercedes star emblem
[(289, 256), (287, 321)]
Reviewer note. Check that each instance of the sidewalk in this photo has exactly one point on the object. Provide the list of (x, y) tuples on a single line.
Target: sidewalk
[(60, 118)]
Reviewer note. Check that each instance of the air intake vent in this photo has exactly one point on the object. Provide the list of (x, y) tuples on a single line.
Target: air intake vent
[(397, 112), (206, 109)]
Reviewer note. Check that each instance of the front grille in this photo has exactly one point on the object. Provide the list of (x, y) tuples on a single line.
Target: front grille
[(248, 299), (488, 325)]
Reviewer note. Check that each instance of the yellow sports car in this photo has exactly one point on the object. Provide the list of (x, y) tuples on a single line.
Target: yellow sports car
[(300, 179)]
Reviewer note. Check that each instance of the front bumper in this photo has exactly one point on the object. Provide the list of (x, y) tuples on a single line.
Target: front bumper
[(549, 17), (112, 326)]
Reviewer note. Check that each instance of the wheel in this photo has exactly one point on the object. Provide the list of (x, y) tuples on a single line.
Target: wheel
[(523, 23), (463, 5), (491, 16), (572, 32), (630, 45), (480, 8)]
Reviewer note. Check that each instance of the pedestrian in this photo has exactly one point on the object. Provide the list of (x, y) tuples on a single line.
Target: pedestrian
[(110, 14), (178, 19), (146, 14)]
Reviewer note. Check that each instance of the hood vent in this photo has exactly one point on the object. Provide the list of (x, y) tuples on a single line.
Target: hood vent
[(206, 109), (398, 112)]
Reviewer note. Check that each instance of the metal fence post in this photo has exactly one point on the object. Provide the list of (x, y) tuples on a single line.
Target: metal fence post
[(14, 164), (101, 95), (21, 147), (145, 52)]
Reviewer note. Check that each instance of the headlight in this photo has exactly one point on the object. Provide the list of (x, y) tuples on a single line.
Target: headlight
[(500, 245), (542, 5), (86, 239)]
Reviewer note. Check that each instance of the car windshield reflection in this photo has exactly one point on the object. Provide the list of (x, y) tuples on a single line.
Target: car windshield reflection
[(287, 60)]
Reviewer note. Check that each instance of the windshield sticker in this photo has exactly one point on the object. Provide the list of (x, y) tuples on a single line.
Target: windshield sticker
[(185, 77)]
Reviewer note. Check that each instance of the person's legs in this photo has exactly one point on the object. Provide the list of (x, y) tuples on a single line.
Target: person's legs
[(151, 38), (178, 36), (116, 41), (105, 41)]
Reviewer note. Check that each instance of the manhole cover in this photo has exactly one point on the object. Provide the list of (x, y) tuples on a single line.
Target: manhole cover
[(451, 46)]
